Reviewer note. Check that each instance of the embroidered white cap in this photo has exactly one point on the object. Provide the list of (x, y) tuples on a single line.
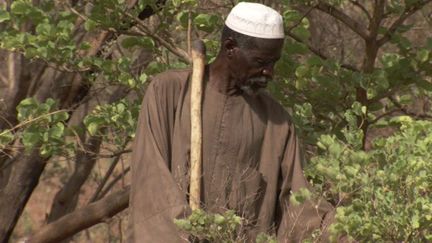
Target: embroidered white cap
[(256, 20)]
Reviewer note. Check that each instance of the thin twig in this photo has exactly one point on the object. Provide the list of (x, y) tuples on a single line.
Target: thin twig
[(301, 19), (407, 13), (384, 115), (113, 182), (107, 175), (319, 53), (362, 8), (145, 31), (189, 33), (344, 18), (30, 121), (115, 154), (3, 79), (384, 95), (407, 112)]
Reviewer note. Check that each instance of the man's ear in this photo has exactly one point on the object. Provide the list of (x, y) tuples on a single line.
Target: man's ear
[(230, 47)]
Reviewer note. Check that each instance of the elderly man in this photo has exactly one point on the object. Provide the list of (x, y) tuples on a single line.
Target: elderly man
[(251, 158)]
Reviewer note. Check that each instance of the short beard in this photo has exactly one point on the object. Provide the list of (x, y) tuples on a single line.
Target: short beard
[(251, 87)]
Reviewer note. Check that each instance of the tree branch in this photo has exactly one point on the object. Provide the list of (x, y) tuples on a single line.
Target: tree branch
[(318, 52), (383, 95), (83, 218), (388, 113), (145, 31), (362, 8), (375, 23), (407, 112), (113, 182), (107, 174), (405, 15), (341, 16), (301, 19), (3, 79)]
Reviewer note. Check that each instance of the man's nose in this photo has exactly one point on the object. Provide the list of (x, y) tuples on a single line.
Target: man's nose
[(268, 71)]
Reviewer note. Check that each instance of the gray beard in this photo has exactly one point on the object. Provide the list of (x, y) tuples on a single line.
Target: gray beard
[(247, 88)]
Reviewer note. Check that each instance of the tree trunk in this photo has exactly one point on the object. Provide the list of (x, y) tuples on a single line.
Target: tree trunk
[(14, 196)]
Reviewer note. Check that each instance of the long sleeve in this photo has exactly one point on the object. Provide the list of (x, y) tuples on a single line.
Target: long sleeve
[(155, 199), (297, 221)]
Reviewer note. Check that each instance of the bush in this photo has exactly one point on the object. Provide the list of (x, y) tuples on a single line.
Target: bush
[(383, 194)]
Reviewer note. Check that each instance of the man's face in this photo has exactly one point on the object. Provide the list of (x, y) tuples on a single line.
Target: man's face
[(253, 68)]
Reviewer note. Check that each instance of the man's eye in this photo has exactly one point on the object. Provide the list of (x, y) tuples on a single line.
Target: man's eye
[(260, 61)]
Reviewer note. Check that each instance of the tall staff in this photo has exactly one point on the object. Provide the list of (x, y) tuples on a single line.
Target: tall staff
[(198, 64)]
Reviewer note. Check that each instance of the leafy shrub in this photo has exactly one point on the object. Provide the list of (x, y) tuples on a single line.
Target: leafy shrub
[(212, 227), (384, 194)]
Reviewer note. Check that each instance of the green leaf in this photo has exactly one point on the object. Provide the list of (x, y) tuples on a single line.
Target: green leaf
[(26, 108), (302, 32), (129, 42), (20, 7), (423, 55), (31, 139), (85, 46), (133, 41), (61, 116), (291, 16), (90, 25), (44, 29), (4, 16), (93, 123), (429, 43), (295, 48), (183, 18), (28, 102), (6, 137), (415, 222), (143, 78), (93, 128), (56, 131), (424, 84), (301, 71), (357, 108), (206, 22), (46, 151)]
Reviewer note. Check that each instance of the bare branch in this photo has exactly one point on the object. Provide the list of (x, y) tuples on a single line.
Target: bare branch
[(383, 95), (375, 23), (318, 52), (83, 218), (114, 154), (11, 71), (405, 15), (24, 123), (362, 8), (341, 16), (388, 113), (108, 174), (3, 79), (407, 112), (301, 19), (113, 182), (145, 31)]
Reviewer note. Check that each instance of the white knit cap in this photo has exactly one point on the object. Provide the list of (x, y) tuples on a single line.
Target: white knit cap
[(257, 20)]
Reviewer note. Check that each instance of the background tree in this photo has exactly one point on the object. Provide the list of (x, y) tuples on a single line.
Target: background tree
[(74, 73)]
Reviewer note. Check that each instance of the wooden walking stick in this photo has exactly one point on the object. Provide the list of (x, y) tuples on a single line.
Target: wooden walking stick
[(198, 64)]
